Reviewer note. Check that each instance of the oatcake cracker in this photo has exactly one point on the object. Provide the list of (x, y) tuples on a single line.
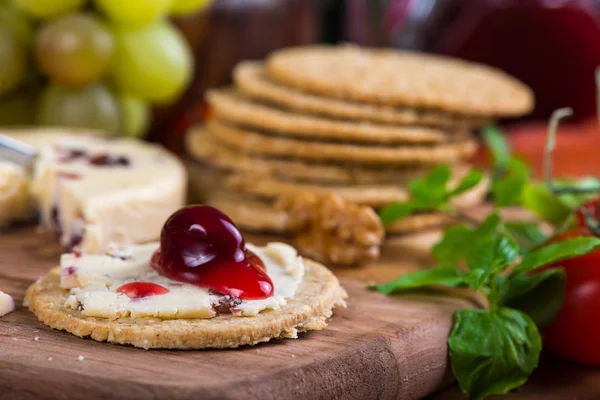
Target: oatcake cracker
[(259, 144), (374, 195), (270, 189), (201, 146), (318, 294), (401, 78), (253, 215), (228, 105), (253, 202), (257, 216), (419, 222), (251, 79)]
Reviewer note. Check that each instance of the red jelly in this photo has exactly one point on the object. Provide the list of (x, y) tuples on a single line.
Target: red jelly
[(202, 246), (137, 290)]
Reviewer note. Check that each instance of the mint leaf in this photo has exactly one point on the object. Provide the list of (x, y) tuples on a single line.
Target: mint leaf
[(493, 353), (585, 184), (480, 254), (545, 205), (470, 180), (539, 295), (425, 277), (431, 190), (507, 189), (510, 175), (428, 193), (453, 247), (527, 234), (588, 187), (458, 240), (507, 251), (493, 253), (496, 144), (555, 252), (489, 225), (477, 278), (395, 212)]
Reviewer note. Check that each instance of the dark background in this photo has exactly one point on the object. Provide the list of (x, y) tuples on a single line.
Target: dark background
[(554, 46)]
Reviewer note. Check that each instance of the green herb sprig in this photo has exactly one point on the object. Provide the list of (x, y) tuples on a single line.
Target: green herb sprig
[(494, 350), (431, 193), (512, 263)]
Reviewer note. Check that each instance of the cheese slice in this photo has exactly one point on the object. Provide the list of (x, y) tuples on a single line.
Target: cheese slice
[(89, 203), (15, 197), (118, 262), (7, 304), (94, 280)]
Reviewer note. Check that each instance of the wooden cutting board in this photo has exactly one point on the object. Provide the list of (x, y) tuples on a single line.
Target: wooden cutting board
[(378, 348)]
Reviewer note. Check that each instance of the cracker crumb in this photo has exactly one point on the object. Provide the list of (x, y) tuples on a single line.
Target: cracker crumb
[(36, 338), (14, 338), (49, 358), (80, 358)]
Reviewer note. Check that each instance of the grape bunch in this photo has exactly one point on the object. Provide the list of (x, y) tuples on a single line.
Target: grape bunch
[(98, 64)]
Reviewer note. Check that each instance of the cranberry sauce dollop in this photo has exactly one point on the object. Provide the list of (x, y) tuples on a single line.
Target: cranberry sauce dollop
[(137, 290), (202, 246)]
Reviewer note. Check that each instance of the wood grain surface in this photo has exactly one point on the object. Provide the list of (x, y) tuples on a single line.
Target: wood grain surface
[(378, 348)]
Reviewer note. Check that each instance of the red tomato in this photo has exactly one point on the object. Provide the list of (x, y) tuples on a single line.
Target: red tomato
[(575, 334)]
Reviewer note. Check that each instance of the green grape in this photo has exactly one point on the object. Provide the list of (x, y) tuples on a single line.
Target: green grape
[(74, 50), (134, 13), (46, 9), (18, 108), (12, 60), (184, 7), (135, 115), (153, 62), (15, 20), (94, 107)]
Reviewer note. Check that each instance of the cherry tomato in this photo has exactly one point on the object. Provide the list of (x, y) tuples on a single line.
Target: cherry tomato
[(575, 334)]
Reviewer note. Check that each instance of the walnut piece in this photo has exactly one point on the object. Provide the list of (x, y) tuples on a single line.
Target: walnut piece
[(330, 229)]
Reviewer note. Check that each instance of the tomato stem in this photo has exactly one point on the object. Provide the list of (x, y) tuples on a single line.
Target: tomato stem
[(555, 119), (589, 187)]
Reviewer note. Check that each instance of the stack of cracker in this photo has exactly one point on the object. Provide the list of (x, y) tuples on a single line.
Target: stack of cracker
[(358, 122)]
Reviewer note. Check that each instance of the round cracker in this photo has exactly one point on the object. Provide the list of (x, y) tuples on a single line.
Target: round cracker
[(318, 294), (251, 79), (418, 223), (252, 215), (401, 78), (257, 216), (270, 189), (246, 141), (376, 196), (201, 146), (228, 105)]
